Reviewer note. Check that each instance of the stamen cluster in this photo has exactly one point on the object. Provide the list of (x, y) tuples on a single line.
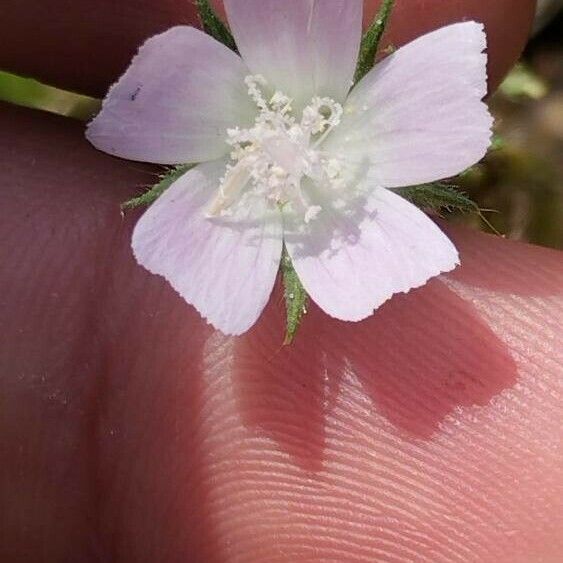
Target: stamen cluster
[(275, 155)]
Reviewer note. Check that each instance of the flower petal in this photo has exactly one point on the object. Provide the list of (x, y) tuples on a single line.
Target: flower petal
[(353, 264), (302, 47), (175, 102), (418, 116), (225, 270)]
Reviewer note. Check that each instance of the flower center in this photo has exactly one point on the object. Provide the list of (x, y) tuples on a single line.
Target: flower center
[(273, 157)]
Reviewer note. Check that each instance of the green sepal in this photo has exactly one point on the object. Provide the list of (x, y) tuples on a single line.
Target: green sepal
[(371, 39), (212, 25), (296, 298), (439, 197), (151, 195)]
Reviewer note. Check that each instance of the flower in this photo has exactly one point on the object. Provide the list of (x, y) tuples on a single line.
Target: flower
[(289, 154)]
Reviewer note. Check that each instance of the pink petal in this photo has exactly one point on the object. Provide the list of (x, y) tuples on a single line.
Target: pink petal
[(352, 264), (226, 271), (418, 116), (302, 47), (175, 102)]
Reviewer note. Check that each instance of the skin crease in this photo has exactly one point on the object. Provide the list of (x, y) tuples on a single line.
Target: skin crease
[(132, 432)]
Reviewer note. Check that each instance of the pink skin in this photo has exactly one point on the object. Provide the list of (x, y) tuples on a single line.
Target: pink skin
[(132, 432)]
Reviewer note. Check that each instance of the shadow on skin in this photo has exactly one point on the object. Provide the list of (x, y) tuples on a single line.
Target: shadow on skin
[(102, 363), (418, 359), (155, 369)]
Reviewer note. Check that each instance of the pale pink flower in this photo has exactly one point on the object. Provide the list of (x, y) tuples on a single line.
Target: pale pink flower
[(288, 154)]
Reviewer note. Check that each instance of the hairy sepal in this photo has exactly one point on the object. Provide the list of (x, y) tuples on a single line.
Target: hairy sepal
[(439, 197), (296, 298), (214, 26), (372, 39), (152, 194)]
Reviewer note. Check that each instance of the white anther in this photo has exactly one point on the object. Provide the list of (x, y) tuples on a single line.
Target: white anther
[(254, 81), (312, 213)]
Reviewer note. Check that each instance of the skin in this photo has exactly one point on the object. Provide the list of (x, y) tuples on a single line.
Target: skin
[(132, 432)]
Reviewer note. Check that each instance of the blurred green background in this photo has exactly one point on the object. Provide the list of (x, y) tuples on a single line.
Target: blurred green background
[(523, 179), (520, 181)]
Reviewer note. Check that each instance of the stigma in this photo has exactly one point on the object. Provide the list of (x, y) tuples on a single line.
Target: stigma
[(275, 157)]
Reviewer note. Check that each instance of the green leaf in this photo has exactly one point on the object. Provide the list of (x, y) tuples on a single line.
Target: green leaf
[(439, 197), (296, 298), (371, 40), (212, 25), (151, 195)]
